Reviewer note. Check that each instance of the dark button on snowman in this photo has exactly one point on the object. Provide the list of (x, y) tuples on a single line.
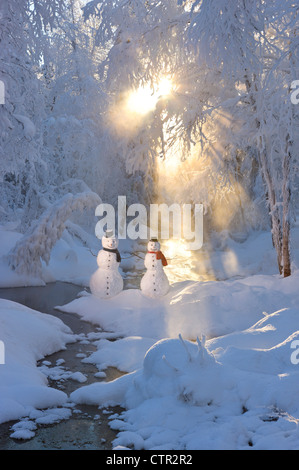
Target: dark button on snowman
[(107, 282), (154, 283)]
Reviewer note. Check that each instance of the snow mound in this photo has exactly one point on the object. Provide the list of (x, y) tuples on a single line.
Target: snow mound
[(174, 367)]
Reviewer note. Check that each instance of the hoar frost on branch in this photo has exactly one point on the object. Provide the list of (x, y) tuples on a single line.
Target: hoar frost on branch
[(36, 245)]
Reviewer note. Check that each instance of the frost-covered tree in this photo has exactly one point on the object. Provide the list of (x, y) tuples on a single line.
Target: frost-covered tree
[(140, 40), (76, 134), (230, 62), (53, 137), (254, 43), (146, 42), (23, 25)]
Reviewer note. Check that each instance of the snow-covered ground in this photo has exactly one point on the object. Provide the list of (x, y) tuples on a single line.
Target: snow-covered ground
[(213, 365), (236, 391)]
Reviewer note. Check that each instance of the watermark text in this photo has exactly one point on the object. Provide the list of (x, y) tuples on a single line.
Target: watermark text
[(295, 354), (160, 221), (2, 353), (2, 92), (295, 92)]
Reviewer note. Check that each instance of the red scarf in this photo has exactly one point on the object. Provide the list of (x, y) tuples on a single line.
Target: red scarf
[(159, 255)]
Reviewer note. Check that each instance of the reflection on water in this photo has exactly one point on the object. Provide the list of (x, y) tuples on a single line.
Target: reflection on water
[(184, 264)]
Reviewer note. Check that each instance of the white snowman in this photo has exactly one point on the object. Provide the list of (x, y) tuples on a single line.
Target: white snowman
[(107, 282), (154, 283)]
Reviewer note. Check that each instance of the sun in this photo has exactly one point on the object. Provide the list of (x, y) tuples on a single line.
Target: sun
[(145, 98), (165, 86), (142, 101)]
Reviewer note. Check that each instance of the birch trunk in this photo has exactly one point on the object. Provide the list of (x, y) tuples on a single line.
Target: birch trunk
[(286, 255), (273, 210)]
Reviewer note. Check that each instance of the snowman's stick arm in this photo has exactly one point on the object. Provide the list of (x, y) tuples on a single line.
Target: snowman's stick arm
[(135, 254), (92, 253)]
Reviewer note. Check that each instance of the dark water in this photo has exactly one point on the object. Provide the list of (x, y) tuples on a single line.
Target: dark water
[(88, 427)]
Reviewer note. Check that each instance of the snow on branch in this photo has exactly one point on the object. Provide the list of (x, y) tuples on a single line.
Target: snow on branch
[(36, 245)]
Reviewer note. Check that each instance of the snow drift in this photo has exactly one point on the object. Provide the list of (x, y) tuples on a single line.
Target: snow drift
[(236, 390)]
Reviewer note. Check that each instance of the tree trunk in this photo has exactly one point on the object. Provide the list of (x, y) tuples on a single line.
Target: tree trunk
[(273, 210), (286, 250), (286, 255)]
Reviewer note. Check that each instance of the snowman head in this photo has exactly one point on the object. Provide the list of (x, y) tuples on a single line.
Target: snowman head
[(109, 241), (153, 245)]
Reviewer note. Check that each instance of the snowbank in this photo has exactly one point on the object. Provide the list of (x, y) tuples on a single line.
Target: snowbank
[(28, 336), (188, 396), (237, 390), (191, 308)]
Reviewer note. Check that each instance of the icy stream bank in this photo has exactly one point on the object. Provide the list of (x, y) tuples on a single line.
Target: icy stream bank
[(77, 427)]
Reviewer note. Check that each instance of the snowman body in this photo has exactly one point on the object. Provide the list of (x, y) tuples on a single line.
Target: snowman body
[(107, 282), (154, 283)]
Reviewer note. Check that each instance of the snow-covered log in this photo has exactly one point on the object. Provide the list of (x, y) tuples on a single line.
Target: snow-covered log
[(37, 243)]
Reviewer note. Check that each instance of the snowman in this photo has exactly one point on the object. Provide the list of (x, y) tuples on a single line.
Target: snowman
[(107, 282), (155, 282)]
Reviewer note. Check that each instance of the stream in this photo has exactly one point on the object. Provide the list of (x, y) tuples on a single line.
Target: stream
[(88, 427)]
